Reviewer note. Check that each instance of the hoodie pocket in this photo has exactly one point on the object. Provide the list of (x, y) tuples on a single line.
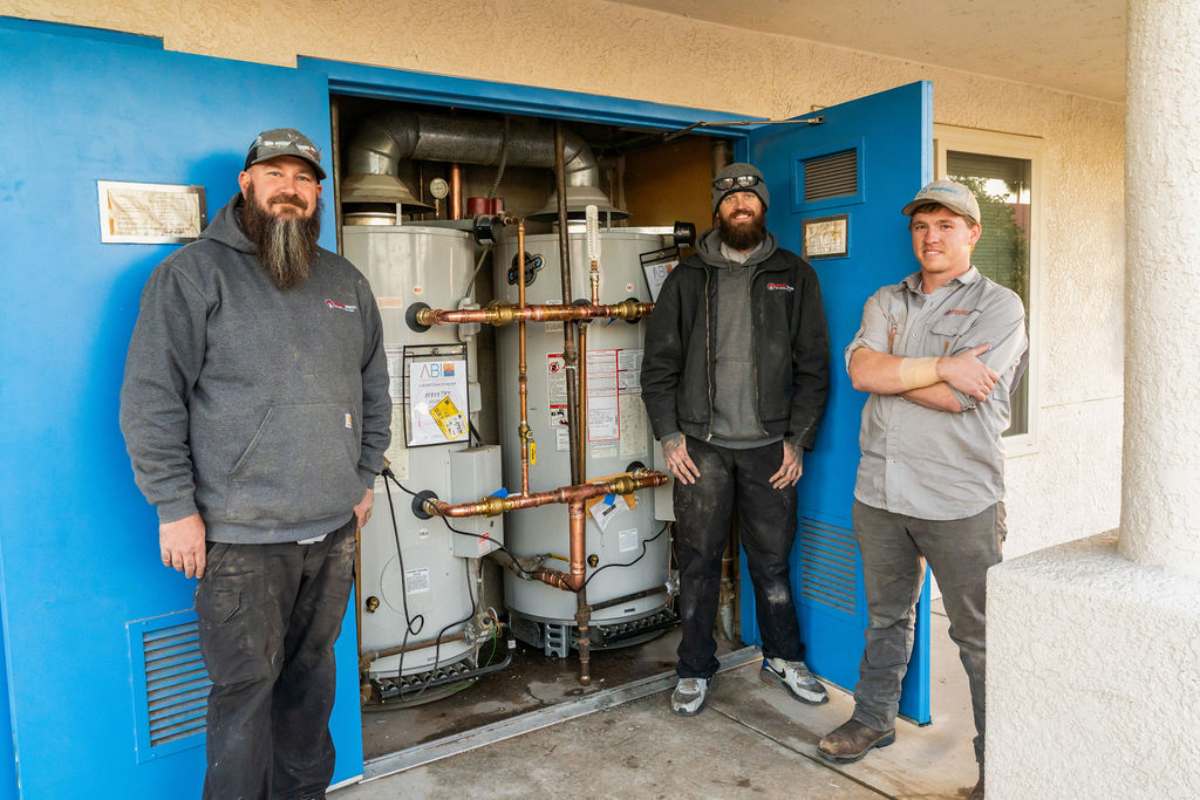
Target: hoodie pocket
[(301, 465)]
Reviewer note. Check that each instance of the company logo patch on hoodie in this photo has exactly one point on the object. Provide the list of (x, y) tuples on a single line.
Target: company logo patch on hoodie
[(334, 304), (780, 287)]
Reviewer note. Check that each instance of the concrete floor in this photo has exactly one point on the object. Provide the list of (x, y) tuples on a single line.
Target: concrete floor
[(751, 741)]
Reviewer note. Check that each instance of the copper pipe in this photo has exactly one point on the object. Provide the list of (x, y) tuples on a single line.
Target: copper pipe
[(493, 506), (583, 402), (455, 191), (583, 615), (578, 542), (366, 659), (522, 366), (629, 310)]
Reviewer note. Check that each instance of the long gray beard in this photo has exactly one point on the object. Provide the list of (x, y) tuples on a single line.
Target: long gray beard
[(287, 248)]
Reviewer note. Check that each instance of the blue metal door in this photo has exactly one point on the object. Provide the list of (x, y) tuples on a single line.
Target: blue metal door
[(105, 691), (853, 170)]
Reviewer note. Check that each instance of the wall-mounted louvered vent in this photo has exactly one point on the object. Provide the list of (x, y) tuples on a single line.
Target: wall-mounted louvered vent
[(830, 176), (171, 683), (828, 561)]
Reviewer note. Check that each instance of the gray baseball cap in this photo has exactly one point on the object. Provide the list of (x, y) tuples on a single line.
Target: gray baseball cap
[(948, 193), (284, 142), (726, 183)]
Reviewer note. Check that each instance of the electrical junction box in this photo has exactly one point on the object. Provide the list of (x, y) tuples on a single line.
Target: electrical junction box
[(475, 474)]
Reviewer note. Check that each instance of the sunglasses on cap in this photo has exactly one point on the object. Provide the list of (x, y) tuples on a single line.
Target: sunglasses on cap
[(737, 181)]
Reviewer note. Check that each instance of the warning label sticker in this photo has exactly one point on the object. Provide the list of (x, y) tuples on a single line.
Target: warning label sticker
[(417, 580), (449, 419)]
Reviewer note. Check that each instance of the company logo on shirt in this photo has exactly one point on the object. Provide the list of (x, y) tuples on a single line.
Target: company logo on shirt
[(780, 287), (334, 304), (958, 312)]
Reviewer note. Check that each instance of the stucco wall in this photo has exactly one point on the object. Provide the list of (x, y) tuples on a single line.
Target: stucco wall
[(1068, 488)]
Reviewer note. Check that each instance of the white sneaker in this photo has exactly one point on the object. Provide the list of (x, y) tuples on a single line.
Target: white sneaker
[(795, 677), (688, 698)]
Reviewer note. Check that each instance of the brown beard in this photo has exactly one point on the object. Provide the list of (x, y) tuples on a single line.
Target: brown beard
[(287, 247), (745, 235)]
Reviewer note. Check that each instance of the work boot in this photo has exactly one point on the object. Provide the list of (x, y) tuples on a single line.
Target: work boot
[(852, 741), (977, 792), (689, 696), (795, 677)]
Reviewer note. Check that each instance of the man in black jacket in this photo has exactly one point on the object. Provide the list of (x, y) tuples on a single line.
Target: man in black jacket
[(734, 380)]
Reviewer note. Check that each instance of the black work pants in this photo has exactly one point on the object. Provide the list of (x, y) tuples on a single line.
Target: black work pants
[(767, 516), (269, 615)]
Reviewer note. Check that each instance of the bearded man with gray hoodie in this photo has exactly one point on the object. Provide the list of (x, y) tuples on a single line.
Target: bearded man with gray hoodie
[(734, 379), (256, 413)]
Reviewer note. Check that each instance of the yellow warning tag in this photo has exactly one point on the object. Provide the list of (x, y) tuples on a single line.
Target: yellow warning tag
[(533, 452), (449, 419)]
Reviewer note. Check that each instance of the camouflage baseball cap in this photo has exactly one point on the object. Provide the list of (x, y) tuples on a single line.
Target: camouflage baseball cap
[(951, 194), (284, 142)]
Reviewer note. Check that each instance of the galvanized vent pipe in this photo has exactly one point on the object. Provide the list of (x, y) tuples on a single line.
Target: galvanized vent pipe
[(386, 139)]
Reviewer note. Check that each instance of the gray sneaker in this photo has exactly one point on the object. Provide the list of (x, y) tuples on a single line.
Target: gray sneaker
[(795, 677), (689, 696)]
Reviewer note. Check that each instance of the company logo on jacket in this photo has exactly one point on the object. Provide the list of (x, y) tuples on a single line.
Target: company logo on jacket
[(334, 304), (780, 287)]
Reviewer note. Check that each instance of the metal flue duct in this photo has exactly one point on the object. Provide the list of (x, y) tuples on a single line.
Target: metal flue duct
[(384, 140)]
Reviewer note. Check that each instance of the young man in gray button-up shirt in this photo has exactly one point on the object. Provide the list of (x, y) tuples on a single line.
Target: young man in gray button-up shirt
[(940, 354)]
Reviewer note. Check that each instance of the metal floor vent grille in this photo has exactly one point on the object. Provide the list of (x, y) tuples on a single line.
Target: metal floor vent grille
[(171, 683), (830, 176), (830, 565)]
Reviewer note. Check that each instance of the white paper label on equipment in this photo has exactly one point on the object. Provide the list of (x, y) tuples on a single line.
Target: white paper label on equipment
[(562, 440), (629, 370), (604, 421), (556, 380), (395, 366), (603, 512), (628, 540), (397, 453), (633, 427), (416, 580), (437, 399)]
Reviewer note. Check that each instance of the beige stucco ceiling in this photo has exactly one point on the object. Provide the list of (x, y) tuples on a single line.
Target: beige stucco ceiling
[(1076, 46)]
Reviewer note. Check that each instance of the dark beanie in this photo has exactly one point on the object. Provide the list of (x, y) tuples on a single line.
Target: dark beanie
[(736, 170)]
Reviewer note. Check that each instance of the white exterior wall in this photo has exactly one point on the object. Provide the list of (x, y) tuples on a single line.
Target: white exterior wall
[(1070, 485)]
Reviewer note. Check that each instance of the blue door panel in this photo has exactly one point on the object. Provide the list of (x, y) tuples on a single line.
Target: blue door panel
[(890, 135), (78, 543)]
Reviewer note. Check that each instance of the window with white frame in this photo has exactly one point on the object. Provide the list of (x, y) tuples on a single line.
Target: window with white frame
[(1002, 171)]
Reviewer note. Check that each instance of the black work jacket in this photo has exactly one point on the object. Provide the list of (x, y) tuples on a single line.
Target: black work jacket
[(790, 343)]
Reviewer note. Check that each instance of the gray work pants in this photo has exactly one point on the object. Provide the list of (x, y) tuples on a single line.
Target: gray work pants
[(894, 550)]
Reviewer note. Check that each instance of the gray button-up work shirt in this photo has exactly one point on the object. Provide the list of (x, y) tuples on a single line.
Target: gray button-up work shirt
[(933, 464)]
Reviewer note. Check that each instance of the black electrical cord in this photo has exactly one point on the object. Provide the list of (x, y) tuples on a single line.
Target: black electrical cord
[(631, 563), (411, 628), (437, 644)]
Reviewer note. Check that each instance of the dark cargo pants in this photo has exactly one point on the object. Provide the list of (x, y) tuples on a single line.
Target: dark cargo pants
[(894, 550), (703, 512), (269, 615)]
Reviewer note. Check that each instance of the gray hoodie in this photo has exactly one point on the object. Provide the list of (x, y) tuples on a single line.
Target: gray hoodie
[(735, 421), (265, 410)]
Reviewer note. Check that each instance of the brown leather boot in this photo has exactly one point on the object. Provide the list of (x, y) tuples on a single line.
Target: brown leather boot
[(852, 741)]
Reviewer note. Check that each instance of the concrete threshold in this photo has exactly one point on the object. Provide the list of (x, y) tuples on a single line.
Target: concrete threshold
[(483, 736)]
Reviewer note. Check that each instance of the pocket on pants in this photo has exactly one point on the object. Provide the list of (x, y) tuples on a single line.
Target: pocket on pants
[(234, 639)]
